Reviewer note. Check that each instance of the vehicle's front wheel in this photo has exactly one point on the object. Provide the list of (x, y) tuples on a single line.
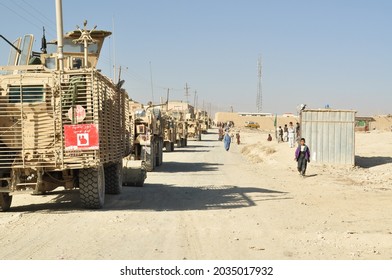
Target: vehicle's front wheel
[(168, 147), (160, 152), (5, 202), (149, 157)]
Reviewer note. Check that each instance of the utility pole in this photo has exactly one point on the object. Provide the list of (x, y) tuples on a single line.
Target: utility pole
[(187, 92), (152, 85), (259, 98), (194, 101), (167, 100)]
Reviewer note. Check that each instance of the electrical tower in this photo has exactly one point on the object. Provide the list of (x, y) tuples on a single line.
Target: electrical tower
[(259, 99)]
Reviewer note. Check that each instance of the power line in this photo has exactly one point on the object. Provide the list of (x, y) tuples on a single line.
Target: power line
[(30, 15), (51, 21), (22, 17), (49, 24)]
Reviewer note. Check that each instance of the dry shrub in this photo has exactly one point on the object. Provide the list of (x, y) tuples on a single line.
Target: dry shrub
[(257, 153), (269, 150)]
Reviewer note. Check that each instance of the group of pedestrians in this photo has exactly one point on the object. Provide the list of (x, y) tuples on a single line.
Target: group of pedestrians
[(288, 134), (292, 135), (224, 129)]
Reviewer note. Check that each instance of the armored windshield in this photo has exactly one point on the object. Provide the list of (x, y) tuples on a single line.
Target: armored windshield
[(71, 47)]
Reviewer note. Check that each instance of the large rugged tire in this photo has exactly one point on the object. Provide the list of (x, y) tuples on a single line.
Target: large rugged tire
[(157, 153), (5, 202), (92, 187), (150, 158), (140, 183), (160, 153), (169, 146), (113, 178)]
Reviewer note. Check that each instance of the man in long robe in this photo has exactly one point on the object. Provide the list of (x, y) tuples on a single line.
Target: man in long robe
[(227, 141)]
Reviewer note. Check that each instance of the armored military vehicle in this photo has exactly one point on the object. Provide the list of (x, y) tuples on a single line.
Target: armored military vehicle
[(62, 122), (147, 143)]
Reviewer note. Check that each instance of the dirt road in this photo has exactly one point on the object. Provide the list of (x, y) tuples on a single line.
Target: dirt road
[(206, 203)]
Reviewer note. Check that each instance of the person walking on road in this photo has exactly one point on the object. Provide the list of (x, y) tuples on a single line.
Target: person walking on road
[(285, 133), (220, 137), (238, 137), (227, 141), (280, 134), (291, 135), (302, 156)]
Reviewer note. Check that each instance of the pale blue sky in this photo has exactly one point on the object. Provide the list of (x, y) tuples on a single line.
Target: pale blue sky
[(314, 52)]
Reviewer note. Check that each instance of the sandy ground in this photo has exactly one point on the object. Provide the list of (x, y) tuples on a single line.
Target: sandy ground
[(206, 203)]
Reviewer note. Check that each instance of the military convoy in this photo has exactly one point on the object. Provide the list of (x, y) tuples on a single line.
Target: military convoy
[(65, 124), (62, 122)]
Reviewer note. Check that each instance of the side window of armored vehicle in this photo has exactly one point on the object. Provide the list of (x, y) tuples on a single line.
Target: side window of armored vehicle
[(70, 47), (51, 48), (50, 62), (26, 94), (93, 48), (77, 63)]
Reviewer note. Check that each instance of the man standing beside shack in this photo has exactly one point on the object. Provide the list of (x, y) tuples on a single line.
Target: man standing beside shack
[(291, 135)]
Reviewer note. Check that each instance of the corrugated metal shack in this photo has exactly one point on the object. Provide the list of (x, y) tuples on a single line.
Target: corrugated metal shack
[(330, 135)]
